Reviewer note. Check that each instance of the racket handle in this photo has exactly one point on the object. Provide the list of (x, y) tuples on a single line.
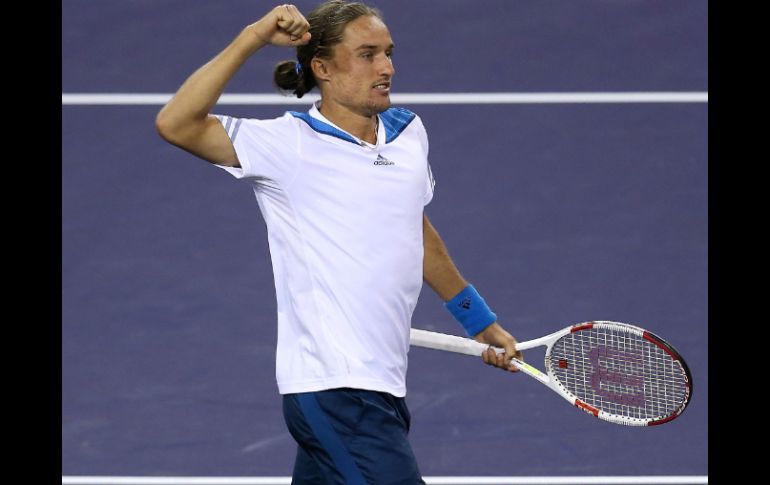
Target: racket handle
[(467, 346), (450, 343)]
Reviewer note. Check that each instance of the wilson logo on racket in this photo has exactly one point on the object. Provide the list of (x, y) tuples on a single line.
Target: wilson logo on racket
[(617, 372), (617, 376)]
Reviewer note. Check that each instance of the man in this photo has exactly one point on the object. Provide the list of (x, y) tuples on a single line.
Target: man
[(342, 189)]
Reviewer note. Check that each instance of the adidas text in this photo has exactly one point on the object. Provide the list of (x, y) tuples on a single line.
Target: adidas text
[(383, 161)]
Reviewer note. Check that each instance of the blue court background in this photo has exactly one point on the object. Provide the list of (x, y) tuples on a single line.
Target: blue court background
[(559, 214)]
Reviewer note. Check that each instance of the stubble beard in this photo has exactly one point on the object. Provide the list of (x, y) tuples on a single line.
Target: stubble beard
[(374, 108)]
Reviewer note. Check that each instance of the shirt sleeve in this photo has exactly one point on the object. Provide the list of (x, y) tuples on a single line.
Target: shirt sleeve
[(430, 182), (266, 149)]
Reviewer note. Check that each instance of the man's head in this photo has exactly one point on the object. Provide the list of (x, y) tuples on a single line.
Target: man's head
[(348, 58)]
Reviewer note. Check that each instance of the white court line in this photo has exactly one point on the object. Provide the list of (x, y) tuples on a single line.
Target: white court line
[(557, 480), (404, 98)]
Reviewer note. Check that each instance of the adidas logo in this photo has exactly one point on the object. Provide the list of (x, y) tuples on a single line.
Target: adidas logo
[(383, 161)]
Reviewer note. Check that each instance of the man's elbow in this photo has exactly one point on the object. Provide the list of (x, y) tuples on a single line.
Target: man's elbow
[(166, 128)]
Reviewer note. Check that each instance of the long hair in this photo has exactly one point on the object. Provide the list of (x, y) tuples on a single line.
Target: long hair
[(327, 24)]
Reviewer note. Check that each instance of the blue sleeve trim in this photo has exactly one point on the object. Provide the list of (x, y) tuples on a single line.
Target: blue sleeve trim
[(395, 121), (470, 309), (230, 128)]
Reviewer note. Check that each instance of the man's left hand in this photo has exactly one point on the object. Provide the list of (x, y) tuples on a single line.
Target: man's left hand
[(495, 335)]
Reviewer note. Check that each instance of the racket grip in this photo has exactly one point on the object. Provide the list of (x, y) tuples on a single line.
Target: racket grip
[(463, 345), (450, 343)]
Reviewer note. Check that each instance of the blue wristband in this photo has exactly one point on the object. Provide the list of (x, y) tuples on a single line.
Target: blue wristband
[(470, 309)]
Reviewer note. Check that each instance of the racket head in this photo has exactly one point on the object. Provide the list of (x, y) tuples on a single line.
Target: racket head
[(620, 373)]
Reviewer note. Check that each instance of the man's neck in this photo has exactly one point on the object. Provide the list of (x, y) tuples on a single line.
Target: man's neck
[(360, 126)]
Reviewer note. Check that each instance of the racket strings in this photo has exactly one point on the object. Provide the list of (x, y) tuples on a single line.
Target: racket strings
[(619, 372)]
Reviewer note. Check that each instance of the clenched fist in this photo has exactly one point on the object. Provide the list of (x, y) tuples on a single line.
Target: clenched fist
[(283, 26)]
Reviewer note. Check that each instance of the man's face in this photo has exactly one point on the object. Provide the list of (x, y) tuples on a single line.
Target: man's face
[(361, 69)]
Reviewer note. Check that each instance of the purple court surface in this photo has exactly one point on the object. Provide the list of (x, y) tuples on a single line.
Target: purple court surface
[(559, 213)]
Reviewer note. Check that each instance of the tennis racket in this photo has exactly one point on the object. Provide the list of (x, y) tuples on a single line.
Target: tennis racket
[(617, 372)]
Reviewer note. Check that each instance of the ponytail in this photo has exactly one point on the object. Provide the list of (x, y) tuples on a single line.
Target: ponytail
[(292, 76)]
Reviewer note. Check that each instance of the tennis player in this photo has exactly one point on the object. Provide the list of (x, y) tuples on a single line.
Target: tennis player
[(342, 189)]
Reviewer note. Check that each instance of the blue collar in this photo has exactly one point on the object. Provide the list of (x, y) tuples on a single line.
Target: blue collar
[(394, 120)]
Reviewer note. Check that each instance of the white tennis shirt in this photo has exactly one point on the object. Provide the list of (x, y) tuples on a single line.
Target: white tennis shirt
[(344, 224)]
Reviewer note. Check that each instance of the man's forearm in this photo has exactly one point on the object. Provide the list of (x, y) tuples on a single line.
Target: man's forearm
[(200, 92), (439, 271)]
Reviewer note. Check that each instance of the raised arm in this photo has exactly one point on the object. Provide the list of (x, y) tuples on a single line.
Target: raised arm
[(185, 121), (443, 277)]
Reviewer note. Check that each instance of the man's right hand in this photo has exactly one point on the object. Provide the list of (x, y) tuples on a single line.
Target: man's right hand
[(283, 26), (186, 120)]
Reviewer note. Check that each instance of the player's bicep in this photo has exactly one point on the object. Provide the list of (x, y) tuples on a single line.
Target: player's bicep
[(211, 142)]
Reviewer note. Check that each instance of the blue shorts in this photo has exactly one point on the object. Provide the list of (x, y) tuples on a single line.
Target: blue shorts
[(350, 436)]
